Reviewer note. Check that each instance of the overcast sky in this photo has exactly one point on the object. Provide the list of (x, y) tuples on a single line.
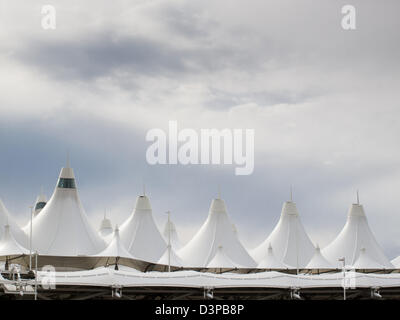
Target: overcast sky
[(324, 104)]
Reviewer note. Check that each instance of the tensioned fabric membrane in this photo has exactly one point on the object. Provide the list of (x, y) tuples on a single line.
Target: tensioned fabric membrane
[(63, 235)]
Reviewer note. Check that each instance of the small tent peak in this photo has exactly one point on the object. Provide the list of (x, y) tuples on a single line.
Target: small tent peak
[(289, 208), (356, 210), (142, 203), (218, 206)]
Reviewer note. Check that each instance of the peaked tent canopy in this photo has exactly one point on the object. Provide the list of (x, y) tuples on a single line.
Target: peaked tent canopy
[(62, 228), (271, 262), (290, 241), (40, 203), (216, 230), (7, 220), (365, 261), (174, 259), (171, 233), (222, 260), (105, 227), (396, 262), (115, 249), (318, 261), (140, 234), (354, 236), (9, 246)]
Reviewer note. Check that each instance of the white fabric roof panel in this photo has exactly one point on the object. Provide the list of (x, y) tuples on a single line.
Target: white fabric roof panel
[(355, 236), (140, 234), (216, 231), (133, 278), (174, 259), (318, 261), (221, 260), (115, 248), (396, 262), (62, 227), (9, 246), (270, 261), (290, 241), (15, 229), (365, 261)]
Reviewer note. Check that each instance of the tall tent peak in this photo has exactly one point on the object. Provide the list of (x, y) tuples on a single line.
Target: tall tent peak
[(66, 179), (216, 230), (356, 234), (289, 239), (62, 227), (140, 234)]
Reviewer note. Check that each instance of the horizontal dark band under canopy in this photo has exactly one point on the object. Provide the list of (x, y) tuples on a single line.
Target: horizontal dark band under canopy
[(40, 205), (67, 183)]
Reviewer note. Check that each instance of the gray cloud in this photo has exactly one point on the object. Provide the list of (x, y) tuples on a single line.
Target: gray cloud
[(323, 102)]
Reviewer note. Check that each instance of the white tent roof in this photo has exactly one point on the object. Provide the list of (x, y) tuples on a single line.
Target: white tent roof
[(105, 227), (222, 260), (290, 241), (6, 219), (354, 236), (216, 230), (174, 259), (365, 261), (270, 261), (9, 246), (115, 248), (62, 228), (173, 234), (140, 234), (318, 261), (41, 201), (396, 262)]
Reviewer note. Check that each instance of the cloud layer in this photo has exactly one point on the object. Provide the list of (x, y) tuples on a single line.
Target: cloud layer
[(323, 102)]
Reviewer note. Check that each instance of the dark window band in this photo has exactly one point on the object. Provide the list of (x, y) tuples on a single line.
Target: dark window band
[(40, 205), (67, 183)]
